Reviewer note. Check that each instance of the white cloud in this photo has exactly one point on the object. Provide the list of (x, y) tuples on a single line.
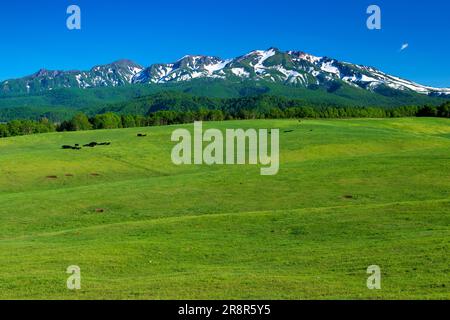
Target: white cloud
[(404, 46)]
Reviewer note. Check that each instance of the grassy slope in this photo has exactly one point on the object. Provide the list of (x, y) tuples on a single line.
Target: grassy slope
[(227, 232)]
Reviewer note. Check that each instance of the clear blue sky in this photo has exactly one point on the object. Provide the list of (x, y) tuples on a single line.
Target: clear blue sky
[(34, 33)]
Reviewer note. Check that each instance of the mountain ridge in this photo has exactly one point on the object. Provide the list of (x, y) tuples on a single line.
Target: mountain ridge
[(293, 68)]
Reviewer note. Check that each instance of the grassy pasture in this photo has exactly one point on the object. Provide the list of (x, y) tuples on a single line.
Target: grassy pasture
[(349, 194)]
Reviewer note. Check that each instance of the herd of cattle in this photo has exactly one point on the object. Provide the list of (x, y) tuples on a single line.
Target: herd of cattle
[(89, 145), (93, 144)]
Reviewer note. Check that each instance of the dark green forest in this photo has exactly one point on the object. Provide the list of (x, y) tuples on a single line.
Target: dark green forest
[(169, 109), (62, 104)]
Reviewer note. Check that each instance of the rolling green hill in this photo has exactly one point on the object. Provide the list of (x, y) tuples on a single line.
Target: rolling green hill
[(350, 194)]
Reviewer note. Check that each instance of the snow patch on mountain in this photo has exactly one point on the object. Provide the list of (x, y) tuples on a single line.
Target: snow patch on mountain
[(240, 72), (263, 56), (328, 66), (215, 67)]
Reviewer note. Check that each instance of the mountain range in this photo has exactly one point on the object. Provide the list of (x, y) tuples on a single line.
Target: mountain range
[(292, 68)]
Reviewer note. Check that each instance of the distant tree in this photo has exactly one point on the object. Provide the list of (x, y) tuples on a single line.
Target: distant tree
[(43, 126), (108, 120), (14, 128), (427, 111), (141, 121), (275, 113), (306, 112), (64, 126), (444, 110), (215, 115), (128, 121), (4, 132), (80, 122)]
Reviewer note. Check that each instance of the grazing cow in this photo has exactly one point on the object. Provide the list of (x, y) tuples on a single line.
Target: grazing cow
[(91, 145), (71, 148)]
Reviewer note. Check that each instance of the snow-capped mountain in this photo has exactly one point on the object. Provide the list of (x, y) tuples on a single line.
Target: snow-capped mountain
[(293, 68), (115, 74)]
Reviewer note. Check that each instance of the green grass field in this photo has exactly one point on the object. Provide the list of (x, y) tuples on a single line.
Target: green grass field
[(350, 194)]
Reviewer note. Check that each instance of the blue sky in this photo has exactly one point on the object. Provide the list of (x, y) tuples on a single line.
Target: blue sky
[(34, 33)]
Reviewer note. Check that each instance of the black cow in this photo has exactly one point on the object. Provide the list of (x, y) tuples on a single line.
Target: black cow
[(71, 148), (91, 145)]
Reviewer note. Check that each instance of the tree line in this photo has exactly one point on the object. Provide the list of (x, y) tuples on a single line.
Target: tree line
[(115, 120), (26, 127)]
